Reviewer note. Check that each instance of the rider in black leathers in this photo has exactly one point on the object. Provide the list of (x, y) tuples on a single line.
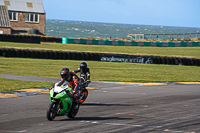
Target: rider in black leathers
[(84, 74)]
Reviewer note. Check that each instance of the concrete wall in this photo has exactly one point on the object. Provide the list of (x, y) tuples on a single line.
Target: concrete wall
[(130, 43)]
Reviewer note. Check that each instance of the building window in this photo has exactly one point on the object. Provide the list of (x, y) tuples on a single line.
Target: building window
[(30, 17), (13, 16)]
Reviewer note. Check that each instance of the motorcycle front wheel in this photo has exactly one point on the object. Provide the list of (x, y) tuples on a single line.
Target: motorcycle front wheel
[(73, 111), (52, 111)]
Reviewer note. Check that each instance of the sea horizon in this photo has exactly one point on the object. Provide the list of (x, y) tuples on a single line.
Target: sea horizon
[(121, 23), (73, 28)]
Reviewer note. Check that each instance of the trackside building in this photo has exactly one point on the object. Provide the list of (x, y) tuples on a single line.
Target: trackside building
[(22, 17)]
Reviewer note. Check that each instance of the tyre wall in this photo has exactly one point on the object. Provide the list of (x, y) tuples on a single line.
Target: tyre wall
[(51, 39), (60, 55), (30, 39), (20, 38)]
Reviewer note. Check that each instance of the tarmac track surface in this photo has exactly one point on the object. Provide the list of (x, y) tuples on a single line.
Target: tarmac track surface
[(112, 108)]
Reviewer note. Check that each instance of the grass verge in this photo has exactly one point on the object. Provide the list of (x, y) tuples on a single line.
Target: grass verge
[(100, 71), (9, 84)]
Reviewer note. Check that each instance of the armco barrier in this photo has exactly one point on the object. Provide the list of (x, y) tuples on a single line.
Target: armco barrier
[(42, 54)]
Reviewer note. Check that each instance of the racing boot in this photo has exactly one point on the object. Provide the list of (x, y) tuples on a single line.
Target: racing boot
[(76, 101)]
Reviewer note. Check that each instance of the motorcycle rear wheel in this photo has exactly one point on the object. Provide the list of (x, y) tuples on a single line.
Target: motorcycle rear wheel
[(52, 111), (85, 94)]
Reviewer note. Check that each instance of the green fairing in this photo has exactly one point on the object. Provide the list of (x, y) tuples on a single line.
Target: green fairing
[(51, 95), (64, 98)]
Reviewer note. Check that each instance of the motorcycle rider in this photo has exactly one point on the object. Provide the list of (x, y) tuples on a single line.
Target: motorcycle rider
[(72, 80), (84, 73)]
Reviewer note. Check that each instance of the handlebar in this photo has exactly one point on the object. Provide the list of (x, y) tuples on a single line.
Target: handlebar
[(50, 87)]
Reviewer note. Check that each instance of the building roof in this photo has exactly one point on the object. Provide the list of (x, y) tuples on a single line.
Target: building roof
[(4, 17), (35, 6)]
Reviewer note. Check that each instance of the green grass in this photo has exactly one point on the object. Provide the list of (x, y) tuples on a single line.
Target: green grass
[(102, 71), (161, 51), (8, 84)]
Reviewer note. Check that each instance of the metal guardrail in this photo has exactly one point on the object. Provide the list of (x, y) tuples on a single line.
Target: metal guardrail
[(163, 36)]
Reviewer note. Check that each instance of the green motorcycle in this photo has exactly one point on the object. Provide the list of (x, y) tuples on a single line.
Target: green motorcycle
[(61, 98)]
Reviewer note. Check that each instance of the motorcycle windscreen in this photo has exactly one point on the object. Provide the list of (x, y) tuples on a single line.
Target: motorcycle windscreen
[(60, 86)]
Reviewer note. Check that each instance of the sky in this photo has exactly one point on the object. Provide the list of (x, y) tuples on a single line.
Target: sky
[(182, 13)]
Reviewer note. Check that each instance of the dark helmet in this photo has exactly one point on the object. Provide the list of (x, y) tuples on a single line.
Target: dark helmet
[(64, 73), (83, 66)]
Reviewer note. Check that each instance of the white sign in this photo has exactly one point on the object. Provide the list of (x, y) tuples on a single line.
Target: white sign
[(133, 60), (1, 32)]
